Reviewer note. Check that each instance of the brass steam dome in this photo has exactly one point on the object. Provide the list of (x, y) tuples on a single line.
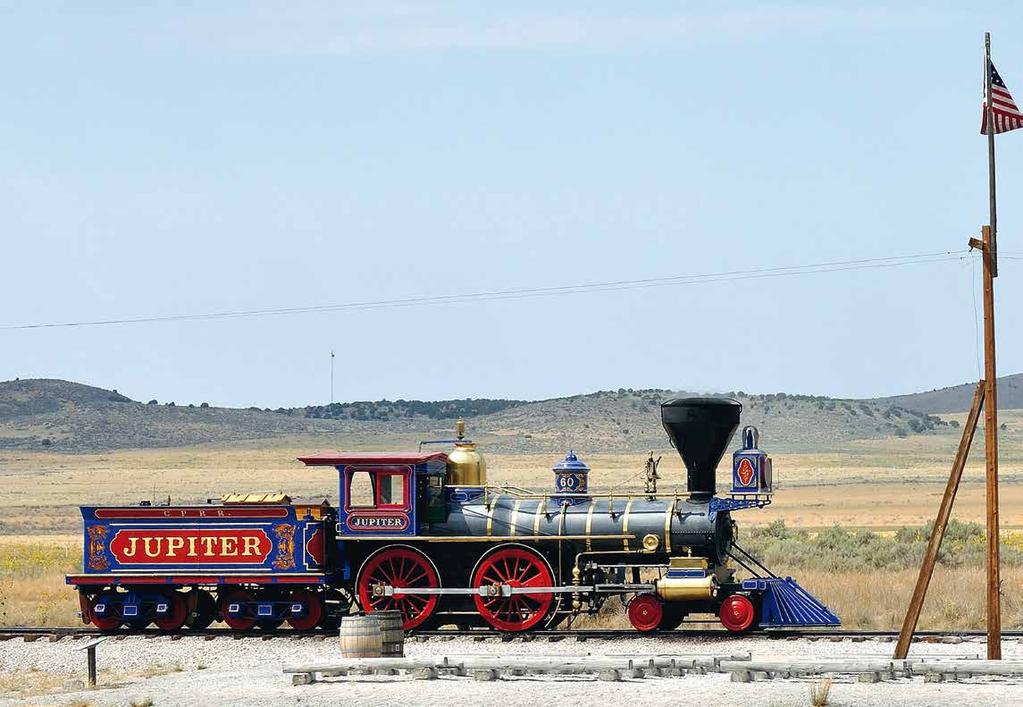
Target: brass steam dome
[(466, 465)]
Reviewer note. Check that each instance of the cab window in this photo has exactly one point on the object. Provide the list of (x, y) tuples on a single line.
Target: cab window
[(391, 490), (360, 490), (378, 487)]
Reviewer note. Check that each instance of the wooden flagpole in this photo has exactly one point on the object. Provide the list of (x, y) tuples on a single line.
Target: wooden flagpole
[(989, 250), (987, 393)]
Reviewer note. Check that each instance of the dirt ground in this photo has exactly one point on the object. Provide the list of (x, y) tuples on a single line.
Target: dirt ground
[(248, 672)]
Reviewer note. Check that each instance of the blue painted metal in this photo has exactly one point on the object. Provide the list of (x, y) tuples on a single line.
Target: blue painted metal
[(786, 604), (281, 541), (751, 467), (571, 477), (383, 516), (719, 505)]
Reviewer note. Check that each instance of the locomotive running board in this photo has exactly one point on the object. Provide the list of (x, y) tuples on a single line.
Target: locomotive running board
[(506, 590)]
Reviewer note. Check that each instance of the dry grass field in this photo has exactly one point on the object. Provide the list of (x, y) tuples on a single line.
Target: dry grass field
[(880, 484)]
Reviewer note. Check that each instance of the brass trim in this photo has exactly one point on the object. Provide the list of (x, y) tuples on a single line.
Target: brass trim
[(650, 542), (540, 511), (669, 512), (515, 516), (467, 539), (625, 525), (589, 525), (490, 514)]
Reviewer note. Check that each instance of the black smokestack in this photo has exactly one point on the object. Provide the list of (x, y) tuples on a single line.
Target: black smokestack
[(700, 429)]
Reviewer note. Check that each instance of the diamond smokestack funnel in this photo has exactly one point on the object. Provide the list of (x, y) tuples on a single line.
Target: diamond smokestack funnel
[(700, 429)]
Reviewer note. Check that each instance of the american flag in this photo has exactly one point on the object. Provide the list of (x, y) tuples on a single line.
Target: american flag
[(1006, 115)]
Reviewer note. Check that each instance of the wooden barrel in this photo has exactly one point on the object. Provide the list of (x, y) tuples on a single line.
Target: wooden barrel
[(361, 637), (392, 632)]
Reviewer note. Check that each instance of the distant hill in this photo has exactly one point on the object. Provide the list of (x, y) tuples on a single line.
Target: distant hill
[(958, 398), (58, 415), (65, 416), (629, 420)]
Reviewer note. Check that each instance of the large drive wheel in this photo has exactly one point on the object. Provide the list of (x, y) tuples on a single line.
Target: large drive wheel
[(112, 620), (176, 613), (312, 610), (399, 566), (514, 566), (737, 613), (646, 612), (236, 610)]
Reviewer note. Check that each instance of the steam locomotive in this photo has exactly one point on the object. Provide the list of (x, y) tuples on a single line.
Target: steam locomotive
[(424, 533)]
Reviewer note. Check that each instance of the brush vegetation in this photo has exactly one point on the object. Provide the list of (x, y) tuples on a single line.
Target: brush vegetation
[(839, 549)]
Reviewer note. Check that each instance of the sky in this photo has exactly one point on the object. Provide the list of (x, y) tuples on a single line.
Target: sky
[(169, 158)]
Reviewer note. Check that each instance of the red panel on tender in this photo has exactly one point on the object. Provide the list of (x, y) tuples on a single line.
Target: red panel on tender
[(344, 458)]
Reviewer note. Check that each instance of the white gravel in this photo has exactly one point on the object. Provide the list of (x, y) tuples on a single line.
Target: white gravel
[(248, 672)]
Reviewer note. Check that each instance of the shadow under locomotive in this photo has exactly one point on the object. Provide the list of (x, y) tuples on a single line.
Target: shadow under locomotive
[(425, 534)]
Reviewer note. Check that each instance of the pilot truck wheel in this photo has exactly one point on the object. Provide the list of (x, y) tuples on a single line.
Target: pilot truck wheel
[(646, 612), (737, 613)]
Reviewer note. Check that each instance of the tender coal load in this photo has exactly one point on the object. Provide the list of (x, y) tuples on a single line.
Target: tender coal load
[(700, 429)]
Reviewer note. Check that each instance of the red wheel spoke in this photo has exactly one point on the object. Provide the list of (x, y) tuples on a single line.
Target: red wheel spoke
[(414, 581), (516, 567), (401, 567)]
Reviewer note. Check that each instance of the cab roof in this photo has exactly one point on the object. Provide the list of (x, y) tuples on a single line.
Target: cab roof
[(346, 458)]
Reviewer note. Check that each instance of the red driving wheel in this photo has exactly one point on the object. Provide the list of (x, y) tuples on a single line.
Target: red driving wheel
[(243, 620), (403, 567), (176, 614), (313, 604), (737, 613), (646, 611), (515, 567)]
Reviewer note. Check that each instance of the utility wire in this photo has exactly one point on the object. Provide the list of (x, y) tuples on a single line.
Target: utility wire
[(524, 293)]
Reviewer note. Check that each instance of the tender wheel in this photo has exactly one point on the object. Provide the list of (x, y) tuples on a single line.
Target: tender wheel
[(646, 612), (236, 610), (674, 614), (112, 615), (312, 610), (516, 567), (176, 613), (202, 609), (737, 613), (399, 566)]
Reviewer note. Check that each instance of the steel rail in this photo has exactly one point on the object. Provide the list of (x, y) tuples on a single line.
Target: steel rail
[(58, 632)]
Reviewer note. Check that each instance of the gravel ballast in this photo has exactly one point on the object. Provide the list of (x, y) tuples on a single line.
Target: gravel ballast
[(248, 671)]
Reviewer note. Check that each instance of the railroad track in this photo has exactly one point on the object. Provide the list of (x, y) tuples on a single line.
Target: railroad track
[(54, 633)]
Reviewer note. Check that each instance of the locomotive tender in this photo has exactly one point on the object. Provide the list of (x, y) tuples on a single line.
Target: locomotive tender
[(425, 534)]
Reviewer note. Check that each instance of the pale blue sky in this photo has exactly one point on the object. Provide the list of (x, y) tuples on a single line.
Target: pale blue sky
[(181, 157)]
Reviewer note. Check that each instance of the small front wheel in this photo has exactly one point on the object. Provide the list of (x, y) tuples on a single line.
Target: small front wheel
[(646, 612), (737, 613)]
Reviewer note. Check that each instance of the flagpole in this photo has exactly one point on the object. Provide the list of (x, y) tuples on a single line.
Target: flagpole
[(993, 210), (989, 254)]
